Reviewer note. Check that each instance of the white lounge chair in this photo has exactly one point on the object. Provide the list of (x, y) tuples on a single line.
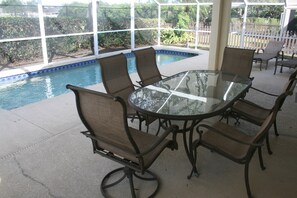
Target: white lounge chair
[(271, 51)]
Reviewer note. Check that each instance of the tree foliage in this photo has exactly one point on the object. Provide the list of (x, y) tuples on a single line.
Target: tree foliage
[(76, 10), (262, 11)]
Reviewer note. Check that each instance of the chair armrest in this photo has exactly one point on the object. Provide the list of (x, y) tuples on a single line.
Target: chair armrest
[(88, 134), (172, 129), (212, 129), (264, 92), (258, 50), (251, 78), (142, 85)]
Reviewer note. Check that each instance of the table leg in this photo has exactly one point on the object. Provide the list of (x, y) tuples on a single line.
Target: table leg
[(188, 145)]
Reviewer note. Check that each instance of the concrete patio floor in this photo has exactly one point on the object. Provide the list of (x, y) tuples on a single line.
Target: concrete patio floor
[(43, 155)]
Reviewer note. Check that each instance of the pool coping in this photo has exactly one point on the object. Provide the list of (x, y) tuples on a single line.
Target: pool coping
[(26, 72)]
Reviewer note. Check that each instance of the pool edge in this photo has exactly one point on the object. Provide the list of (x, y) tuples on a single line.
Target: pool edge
[(37, 70)]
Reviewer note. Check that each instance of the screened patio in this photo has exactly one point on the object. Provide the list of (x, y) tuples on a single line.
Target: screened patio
[(49, 32), (43, 154)]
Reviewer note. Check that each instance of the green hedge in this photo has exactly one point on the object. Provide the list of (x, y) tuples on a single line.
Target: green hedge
[(18, 27), (28, 51)]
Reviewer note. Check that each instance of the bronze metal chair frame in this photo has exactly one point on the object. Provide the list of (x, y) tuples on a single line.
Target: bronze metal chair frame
[(104, 63), (290, 63), (146, 59), (245, 116), (238, 61), (130, 167), (254, 144)]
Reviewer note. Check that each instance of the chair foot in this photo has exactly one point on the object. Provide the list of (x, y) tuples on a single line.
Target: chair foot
[(268, 145), (193, 172), (109, 181), (261, 159), (275, 129)]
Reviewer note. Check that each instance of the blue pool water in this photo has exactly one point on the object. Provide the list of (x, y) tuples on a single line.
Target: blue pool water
[(48, 85)]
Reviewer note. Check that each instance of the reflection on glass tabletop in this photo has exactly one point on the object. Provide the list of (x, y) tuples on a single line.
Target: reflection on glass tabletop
[(190, 94)]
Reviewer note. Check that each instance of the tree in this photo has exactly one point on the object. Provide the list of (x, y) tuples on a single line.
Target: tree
[(77, 10), (205, 15), (15, 7), (264, 11)]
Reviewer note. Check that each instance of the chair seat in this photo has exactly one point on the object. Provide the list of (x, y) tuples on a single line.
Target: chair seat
[(264, 57), (225, 146), (292, 63), (143, 140), (251, 111)]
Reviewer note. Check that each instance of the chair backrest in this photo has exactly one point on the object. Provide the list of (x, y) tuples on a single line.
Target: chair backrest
[(105, 118), (238, 61), (146, 66), (115, 76), (274, 47)]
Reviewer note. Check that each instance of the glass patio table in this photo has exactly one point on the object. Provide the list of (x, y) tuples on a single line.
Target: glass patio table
[(190, 96)]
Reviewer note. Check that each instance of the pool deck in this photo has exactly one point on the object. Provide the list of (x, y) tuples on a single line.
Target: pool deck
[(42, 153)]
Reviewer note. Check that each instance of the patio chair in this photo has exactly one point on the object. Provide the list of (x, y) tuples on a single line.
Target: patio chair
[(146, 66), (256, 114), (105, 118), (238, 61), (117, 82), (234, 144), (290, 63), (271, 51)]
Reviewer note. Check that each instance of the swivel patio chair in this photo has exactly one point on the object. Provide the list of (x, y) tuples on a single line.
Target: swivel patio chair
[(290, 63), (105, 118), (117, 82), (146, 66), (234, 144), (238, 61), (256, 114), (271, 51)]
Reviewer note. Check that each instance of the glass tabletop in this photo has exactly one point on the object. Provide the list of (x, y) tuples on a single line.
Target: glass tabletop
[(195, 94)]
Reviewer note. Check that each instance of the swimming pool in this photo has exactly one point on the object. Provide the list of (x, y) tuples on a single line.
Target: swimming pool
[(50, 83)]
